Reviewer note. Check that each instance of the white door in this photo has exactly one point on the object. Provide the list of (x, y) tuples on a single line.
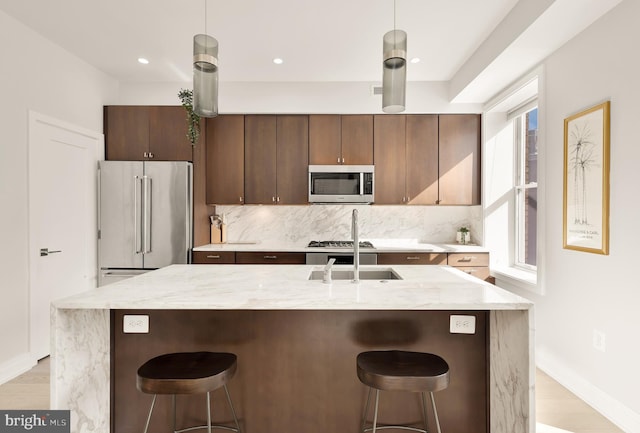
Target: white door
[(62, 218)]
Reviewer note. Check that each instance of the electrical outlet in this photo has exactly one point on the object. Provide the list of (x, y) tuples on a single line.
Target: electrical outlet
[(599, 340), (462, 324), (135, 324)]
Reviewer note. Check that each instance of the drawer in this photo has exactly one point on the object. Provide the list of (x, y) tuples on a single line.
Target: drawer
[(468, 259), (213, 257), (477, 271), (412, 259), (271, 258)]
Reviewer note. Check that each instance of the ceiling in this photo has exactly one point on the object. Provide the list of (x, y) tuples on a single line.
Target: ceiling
[(328, 40), (476, 47)]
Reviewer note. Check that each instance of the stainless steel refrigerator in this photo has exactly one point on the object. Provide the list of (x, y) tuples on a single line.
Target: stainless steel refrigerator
[(144, 217)]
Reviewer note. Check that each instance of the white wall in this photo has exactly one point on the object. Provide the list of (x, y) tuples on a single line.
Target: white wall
[(34, 75), (300, 97), (589, 291)]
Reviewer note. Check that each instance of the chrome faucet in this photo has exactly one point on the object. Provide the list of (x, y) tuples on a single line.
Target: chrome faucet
[(326, 276), (356, 246)]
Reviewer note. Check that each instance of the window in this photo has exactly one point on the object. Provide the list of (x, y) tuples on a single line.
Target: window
[(526, 188)]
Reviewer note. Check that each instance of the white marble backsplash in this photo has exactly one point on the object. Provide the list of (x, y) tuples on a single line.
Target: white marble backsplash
[(429, 224)]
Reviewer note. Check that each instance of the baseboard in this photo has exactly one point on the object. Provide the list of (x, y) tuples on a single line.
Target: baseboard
[(14, 367), (619, 414)]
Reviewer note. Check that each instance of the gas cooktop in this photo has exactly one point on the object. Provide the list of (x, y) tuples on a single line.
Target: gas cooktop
[(339, 244)]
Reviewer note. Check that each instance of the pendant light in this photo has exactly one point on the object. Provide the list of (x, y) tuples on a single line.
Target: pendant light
[(205, 73), (394, 68)]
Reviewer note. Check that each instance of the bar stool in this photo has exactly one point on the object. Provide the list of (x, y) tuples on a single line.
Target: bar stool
[(188, 373), (396, 370)]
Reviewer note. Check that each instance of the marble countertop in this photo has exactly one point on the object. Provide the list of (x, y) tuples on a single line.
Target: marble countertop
[(381, 246), (267, 287)]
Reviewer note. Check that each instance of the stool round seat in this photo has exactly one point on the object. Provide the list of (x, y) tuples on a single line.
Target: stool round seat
[(396, 370), (399, 370), (186, 373)]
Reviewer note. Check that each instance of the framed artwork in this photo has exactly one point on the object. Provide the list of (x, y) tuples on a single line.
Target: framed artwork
[(586, 180)]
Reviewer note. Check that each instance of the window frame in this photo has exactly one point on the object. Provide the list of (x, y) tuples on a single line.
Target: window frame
[(520, 186)]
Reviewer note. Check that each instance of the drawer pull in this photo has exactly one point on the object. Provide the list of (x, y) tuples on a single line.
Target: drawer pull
[(470, 271), (213, 257), (270, 257), (413, 258), (468, 258)]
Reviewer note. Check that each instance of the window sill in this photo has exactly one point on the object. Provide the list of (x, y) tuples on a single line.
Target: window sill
[(516, 278)]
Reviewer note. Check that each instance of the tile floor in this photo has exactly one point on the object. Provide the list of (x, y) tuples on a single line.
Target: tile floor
[(557, 409)]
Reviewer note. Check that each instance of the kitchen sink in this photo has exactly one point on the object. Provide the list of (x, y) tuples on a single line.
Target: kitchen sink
[(365, 274)]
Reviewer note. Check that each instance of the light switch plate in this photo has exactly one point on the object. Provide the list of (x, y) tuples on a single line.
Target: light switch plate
[(135, 324), (459, 324)]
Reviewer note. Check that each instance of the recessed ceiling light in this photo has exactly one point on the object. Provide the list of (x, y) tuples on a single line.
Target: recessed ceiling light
[(143, 60), (278, 61), (415, 60)]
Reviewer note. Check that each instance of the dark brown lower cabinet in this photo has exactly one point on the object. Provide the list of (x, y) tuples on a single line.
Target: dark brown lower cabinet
[(412, 259), (213, 257), (270, 258)]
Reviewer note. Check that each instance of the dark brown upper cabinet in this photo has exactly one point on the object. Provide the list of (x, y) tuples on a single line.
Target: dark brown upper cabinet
[(276, 159), (340, 139), (143, 133), (225, 159), (390, 157), (459, 159)]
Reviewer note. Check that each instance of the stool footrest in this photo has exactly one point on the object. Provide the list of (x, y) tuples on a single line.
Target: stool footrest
[(205, 427), (397, 427)]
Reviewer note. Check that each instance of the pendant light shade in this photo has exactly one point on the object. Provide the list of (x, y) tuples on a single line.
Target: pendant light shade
[(205, 75), (394, 71)]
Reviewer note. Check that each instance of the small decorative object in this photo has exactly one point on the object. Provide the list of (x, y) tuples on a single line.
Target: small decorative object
[(463, 236), (586, 180), (193, 120)]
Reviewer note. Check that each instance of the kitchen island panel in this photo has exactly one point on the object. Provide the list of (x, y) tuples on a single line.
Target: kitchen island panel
[(296, 369)]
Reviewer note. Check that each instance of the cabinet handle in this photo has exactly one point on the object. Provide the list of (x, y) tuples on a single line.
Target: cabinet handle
[(438, 201), (338, 160), (413, 258), (270, 257), (240, 199), (146, 154), (150, 155), (467, 258), (343, 160), (213, 257), (470, 271), (278, 199), (273, 199)]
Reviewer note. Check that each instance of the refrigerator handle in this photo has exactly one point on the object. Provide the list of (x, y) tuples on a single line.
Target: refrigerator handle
[(147, 214), (137, 226)]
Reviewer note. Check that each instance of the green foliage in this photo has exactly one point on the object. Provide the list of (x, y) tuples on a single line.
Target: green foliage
[(193, 120), (463, 230)]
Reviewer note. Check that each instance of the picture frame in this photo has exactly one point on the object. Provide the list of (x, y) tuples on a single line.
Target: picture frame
[(586, 180)]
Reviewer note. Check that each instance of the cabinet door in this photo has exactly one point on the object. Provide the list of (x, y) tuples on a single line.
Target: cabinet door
[(459, 167), (357, 139), (213, 257), (292, 134), (270, 258), (412, 259), (325, 139), (126, 130), (168, 139), (225, 159), (389, 151), (422, 159), (260, 159)]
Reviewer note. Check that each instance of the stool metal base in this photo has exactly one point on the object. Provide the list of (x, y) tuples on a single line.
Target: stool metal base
[(375, 427), (208, 426)]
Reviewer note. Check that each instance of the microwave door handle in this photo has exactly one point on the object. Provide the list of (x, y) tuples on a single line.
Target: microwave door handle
[(361, 183)]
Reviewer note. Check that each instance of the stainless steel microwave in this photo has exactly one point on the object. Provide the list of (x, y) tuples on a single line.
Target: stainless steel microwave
[(341, 183)]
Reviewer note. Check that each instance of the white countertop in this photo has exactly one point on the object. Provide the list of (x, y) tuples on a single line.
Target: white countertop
[(381, 246), (265, 287)]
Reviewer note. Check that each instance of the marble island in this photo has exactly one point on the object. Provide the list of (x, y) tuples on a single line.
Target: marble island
[(296, 341)]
